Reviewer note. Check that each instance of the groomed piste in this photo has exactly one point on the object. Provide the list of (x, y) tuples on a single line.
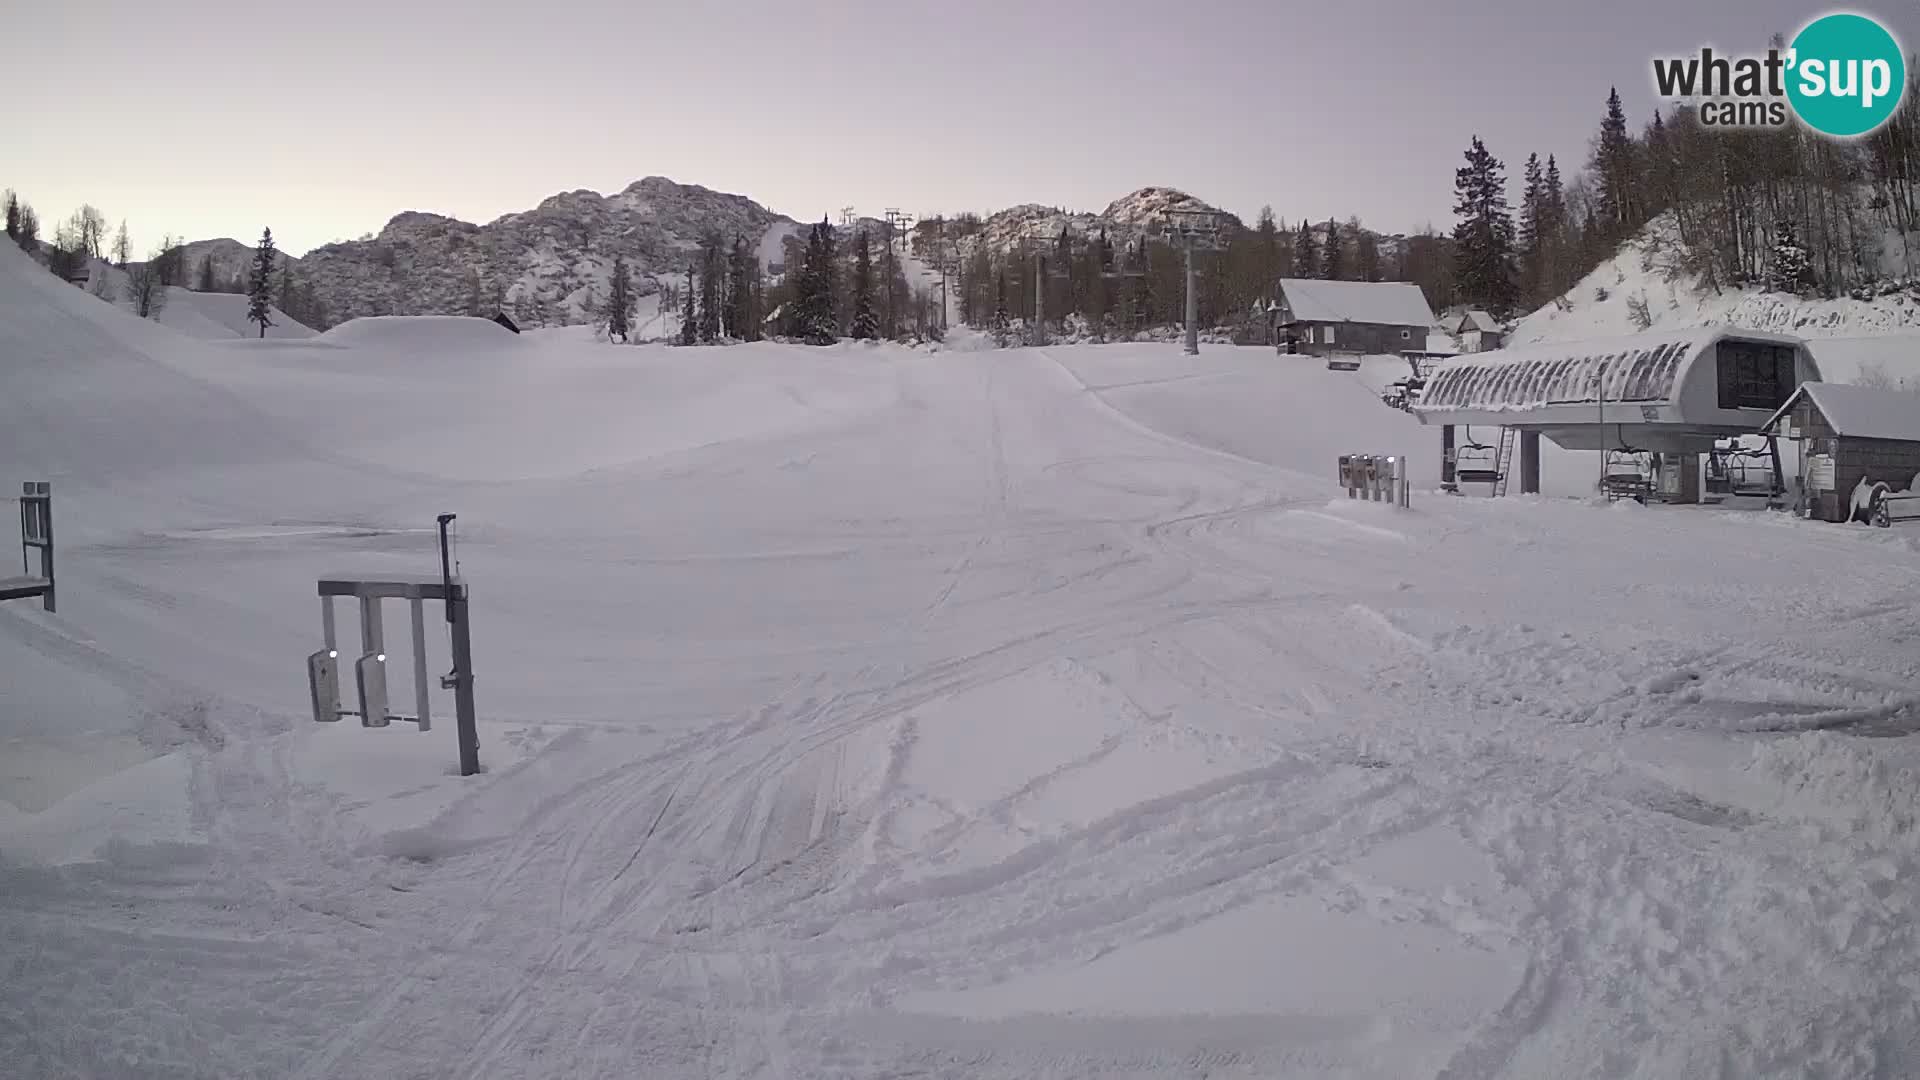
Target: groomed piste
[(867, 711)]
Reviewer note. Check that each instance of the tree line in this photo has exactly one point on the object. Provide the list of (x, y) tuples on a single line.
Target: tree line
[(1781, 209), (81, 240)]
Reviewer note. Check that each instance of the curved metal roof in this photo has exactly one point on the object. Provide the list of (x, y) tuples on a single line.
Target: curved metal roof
[(1645, 368)]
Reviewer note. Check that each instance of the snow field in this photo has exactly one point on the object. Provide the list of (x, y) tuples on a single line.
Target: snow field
[(871, 712)]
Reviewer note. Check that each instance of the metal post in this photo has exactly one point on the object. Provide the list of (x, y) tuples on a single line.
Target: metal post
[(326, 623), (1447, 474), (1193, 307), (422, 707), (1529, 461), (468, 733), (461, 678)]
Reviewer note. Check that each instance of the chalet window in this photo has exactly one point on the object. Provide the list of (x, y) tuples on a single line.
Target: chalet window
[(1326, 335), (1754, 375), (1406, 335)]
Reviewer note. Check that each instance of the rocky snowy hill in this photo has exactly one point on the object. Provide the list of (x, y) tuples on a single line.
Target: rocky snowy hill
[(548, 265), (1125, 219)]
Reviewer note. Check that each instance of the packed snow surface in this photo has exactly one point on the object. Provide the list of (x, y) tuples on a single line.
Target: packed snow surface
[(871, 712)]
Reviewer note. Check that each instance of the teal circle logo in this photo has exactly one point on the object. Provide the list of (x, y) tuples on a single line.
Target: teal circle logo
[(1846, 75)]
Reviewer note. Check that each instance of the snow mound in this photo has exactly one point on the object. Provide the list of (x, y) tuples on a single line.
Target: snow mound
[(420, 331)]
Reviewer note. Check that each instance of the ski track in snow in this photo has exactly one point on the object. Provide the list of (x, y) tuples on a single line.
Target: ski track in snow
[(880, 728)]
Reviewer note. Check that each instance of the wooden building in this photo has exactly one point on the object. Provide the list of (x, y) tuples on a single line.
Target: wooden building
[(1857, 444), (1477, 331), (1331, 318)]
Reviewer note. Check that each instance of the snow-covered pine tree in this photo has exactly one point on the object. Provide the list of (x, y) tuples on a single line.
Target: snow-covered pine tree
[(620, 301), (866, 325), (1789, 265), (1483, 239), (260, 289)]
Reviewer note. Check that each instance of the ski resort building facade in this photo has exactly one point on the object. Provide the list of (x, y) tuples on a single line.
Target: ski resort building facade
[(1325, 318)]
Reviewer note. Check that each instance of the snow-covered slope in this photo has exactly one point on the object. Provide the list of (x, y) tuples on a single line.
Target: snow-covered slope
[(1603, 304), (872, 712), (208, 316)]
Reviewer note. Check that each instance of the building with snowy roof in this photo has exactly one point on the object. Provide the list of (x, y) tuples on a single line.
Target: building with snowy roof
[(1857, 443), (1324, 318), (1476, 331), (1664, 393)]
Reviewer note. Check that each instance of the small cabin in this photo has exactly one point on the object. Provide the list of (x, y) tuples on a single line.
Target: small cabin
[(1854, 441), (1477, 331), (1350, 318)]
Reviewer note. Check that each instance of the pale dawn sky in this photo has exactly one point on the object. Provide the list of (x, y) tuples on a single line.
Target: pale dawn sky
[(211, 118)]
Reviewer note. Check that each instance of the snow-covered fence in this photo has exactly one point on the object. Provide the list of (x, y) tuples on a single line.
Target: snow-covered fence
[(1377, 477)]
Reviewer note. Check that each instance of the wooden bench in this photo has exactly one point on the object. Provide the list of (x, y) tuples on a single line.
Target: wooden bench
[(22, 588)]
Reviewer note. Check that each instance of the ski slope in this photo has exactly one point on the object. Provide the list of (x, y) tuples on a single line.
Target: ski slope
[(873, 712)]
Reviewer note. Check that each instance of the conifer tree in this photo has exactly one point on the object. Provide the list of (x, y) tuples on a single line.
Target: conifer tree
[(1270, 259), (122, 246), (739, 314), (1366, 251), (260, 289), (620, 301), (205, 282), (1306, 261), (1000, 316), (1531, 240), (1789, 268), (711, 281), (689, 320), (1333, 260), (1483, 239), (1613, 168), (1552, 228), (866, 326), (13, 216)]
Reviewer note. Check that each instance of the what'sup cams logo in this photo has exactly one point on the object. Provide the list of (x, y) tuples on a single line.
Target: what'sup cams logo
[(1843, 75)]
